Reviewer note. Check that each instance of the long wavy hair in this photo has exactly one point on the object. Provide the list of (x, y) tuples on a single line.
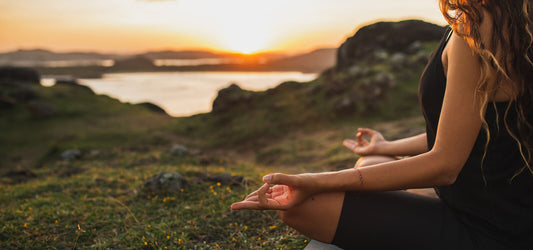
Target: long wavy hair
[(507, 57)]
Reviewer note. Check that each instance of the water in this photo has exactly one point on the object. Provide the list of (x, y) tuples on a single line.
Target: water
[(184, 93)]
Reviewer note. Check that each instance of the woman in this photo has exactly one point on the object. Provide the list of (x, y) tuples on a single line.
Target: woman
[(476, 97)]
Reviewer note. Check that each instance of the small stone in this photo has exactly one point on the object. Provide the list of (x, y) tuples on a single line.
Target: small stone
[(166, 182), (179, 150), (70, 155)]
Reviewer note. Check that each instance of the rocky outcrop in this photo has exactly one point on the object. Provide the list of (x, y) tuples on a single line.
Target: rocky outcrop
[(230, 96), (372, 41), (153, 107), (19, 75)]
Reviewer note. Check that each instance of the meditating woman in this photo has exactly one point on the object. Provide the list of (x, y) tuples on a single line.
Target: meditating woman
[(476, 95)]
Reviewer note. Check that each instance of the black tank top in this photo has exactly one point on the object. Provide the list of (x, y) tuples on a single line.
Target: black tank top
[(483, 196)]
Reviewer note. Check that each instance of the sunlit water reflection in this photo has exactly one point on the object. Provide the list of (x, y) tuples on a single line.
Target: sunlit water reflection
[(184, 93)]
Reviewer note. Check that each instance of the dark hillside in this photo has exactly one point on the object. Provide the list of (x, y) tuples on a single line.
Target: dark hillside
[(372, 81), (38, 123)]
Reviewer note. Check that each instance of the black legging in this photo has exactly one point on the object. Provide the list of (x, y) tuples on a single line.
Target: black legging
[(402, 220)]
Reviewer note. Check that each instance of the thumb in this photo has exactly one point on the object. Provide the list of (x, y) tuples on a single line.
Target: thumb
[(277, 178)]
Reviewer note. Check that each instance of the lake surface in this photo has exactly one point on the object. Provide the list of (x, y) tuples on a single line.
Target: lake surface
[(185, 93)]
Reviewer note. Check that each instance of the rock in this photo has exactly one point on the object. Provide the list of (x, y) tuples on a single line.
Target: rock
[(357, 71), (399, 61), (415, 47), (229, 97), (73, 82), (421, 57), (179, 150), (7, 102), (384, 79), (285, 86), (41, 110), (337, 87), (153, 107), (227, 179), (345, 106), (19, 74), (166, 182), (23, 93), (389, 37), (70, 155)]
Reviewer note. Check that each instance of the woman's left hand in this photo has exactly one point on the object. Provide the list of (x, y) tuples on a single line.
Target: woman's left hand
[(285, 194)]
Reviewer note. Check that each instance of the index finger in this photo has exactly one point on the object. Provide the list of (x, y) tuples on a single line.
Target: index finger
[(262, 194)]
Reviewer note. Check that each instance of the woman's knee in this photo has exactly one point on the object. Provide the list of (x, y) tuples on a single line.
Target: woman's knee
[(289, 216), (317, 217)]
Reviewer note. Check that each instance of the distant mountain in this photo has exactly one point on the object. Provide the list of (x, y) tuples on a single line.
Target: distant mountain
[(46, 55), (49, 62), (314, 61), (202, 54), (185, 54)]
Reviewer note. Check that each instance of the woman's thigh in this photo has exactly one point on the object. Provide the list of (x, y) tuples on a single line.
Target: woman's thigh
[(398, 220)]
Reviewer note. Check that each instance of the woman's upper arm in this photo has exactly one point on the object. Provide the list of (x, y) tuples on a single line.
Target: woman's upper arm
[(460, 121)]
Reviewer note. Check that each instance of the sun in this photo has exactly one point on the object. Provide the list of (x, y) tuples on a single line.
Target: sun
[(245, 32), (247, 37), (245, 42)]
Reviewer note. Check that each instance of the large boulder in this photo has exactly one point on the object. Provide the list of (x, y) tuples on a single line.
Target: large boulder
[(153, 107), (386, 38), (19, 74), (229, 97)]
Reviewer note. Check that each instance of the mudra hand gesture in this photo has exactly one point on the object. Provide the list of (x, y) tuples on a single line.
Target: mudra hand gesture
[(363, 147), (288, 191)]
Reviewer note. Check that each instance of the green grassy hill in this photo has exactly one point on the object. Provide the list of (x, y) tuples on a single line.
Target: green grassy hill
[(97, 198)]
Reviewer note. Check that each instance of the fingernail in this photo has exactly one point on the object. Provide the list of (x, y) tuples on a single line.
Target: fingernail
[(267, 178)]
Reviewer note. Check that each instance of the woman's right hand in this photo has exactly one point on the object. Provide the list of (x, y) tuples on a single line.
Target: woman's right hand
[(363, 147), (288, 191)]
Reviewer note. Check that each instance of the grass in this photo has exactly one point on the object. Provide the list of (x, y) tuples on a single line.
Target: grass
[(81, 120), (106, 206)]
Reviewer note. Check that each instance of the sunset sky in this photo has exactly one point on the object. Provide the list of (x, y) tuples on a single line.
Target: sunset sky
[(129, 26)]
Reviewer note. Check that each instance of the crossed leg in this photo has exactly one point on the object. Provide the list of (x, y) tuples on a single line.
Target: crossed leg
[(318, 216)]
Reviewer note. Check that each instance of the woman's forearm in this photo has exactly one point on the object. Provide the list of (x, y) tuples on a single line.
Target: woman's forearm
[(410, 146), (424, 170)]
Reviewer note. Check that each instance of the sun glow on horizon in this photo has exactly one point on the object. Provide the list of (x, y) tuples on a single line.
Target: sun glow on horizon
[(245, 39), (242, 26)]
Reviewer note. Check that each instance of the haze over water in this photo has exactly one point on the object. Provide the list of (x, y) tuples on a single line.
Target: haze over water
[(185, 93)]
